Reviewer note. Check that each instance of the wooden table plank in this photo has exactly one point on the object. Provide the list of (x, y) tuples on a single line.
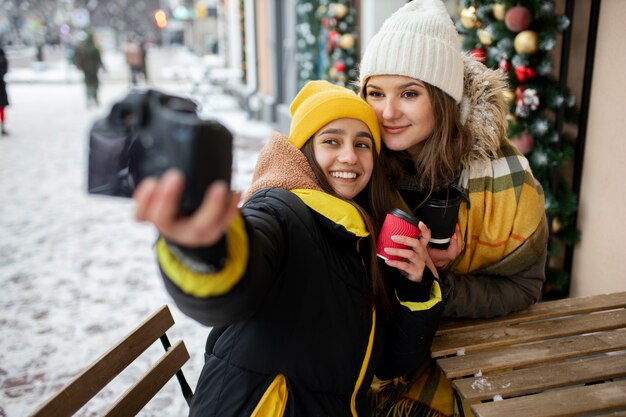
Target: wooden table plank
[(539, 311), (562, 403), (532, 353), (449, 344), (540, 378)]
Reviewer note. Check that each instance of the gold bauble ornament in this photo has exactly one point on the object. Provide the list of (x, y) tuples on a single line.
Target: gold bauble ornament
[(498, 11), (526, 42), (346, 41), (340, 10), (556, 225), (484, 37), (468, 17), (509, 96)]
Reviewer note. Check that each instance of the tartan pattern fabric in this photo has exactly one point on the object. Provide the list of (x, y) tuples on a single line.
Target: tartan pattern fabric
[(510, 170), (506, 207), (428, 393)]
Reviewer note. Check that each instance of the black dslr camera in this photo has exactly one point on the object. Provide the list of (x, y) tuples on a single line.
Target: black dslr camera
[(148, 132)]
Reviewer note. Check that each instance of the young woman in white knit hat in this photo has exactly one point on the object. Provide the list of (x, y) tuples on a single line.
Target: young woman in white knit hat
[(443, 123), (291, 283)]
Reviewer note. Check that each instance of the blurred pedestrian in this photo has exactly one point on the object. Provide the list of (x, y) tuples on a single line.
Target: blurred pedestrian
[(39, 56), (135, 55), (88, 59), (144, 62), (4, 97)]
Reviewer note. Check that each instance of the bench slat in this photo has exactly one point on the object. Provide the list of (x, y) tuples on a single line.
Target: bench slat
[(540, 378), (532, 353), (137, 396), (449, 344), (88, 383), (540, 311), (567, 402)]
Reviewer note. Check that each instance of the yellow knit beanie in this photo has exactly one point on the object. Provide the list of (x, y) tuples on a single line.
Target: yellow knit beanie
[(319, 103)]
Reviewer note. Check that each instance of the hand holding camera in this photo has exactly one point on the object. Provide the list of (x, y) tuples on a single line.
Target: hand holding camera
[(149, 132), (158, 203)]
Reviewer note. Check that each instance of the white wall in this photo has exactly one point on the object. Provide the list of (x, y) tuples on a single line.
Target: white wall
[(599, 264), (233, 35)]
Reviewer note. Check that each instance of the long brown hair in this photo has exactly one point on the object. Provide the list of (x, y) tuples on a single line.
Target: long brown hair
[(438, 160), (373, 203)]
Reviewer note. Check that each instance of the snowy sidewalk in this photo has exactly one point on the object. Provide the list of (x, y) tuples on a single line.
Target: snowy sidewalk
[(76, 271), (165, 64)]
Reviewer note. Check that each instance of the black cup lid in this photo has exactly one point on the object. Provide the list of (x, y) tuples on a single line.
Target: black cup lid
[(447, 197), (404, 216)]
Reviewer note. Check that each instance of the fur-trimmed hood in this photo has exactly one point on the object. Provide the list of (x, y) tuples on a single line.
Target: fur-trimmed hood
[(483, 109), (282, 165)]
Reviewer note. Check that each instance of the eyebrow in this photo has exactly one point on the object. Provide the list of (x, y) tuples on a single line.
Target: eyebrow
[(331, 131), (401, 86)]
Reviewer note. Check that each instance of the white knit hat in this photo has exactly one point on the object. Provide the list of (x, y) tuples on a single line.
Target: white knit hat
[(419, 41)]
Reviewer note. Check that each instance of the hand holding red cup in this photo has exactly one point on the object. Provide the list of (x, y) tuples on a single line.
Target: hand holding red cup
[(397, 223)]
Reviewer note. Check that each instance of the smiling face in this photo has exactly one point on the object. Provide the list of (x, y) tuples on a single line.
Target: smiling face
[(344, 150), (404, 111)]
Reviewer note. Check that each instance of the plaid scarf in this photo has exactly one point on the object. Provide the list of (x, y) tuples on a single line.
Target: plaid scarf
[(425, 394), (505, 211)]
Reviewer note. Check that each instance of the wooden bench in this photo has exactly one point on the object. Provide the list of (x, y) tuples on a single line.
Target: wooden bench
[(558, 358), (103, 370)]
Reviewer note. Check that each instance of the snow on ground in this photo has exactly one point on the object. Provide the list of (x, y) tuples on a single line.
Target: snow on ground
[(76, 271)]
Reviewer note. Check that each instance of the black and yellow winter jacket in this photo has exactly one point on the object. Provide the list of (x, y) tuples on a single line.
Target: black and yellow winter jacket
[(297, 335)]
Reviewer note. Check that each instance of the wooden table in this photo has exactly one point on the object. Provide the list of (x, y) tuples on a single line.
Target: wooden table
[(558, 358)]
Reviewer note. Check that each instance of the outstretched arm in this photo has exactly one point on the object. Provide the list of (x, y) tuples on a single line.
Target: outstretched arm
[(217, 264)]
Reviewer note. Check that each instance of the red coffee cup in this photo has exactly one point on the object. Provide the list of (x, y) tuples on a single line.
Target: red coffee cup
[(397, 223)]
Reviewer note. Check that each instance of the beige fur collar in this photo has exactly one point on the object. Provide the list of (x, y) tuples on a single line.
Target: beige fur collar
[(282, 165), (484, 109)]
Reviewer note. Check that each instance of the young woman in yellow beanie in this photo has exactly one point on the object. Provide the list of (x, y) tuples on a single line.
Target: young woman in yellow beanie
[(302, 316), (443, 123)]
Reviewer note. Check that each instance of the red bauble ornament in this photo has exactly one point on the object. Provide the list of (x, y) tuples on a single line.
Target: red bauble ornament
[(340, 66), (479, 54), (524, 142), (524, 74), (331, 40), (517, 18)]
